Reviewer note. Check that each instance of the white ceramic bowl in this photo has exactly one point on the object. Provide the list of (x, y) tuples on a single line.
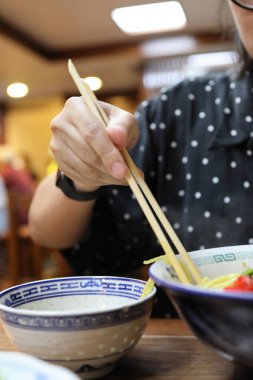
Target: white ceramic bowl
[(83, 323), (221, 319)]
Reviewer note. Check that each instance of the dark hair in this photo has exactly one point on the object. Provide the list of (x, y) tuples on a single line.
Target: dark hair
[(245, 62)]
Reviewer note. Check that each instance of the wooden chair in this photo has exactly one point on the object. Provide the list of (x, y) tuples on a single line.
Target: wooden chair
[(25, 258)]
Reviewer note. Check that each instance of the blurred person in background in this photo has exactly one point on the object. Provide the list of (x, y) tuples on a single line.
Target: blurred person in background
[(4, 215), (17, 175), (194, 144), (4, 225), (18, 179)]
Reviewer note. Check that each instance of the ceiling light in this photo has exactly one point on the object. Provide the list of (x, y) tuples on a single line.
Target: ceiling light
[(94, 83), (17, 90), (150, 18)]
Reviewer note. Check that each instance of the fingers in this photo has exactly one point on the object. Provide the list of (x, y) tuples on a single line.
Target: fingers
[(122, 127), (88, 177), (87, 151)]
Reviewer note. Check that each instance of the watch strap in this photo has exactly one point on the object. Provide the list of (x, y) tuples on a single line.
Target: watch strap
[(68, 188)]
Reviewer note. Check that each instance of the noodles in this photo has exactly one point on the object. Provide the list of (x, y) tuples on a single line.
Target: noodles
[(218, 282), (234, 282), (150, 283), (147, 288)]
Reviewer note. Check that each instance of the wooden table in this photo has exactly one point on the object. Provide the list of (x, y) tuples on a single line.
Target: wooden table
[(168, 351)]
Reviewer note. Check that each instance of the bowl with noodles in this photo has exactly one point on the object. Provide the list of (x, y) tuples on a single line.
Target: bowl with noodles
[(85, 324), (219, 313)]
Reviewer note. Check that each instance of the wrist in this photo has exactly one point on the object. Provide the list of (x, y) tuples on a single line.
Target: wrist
[(81, 187), (68, 187)]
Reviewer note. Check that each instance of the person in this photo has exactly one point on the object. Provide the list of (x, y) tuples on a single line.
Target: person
[(4, 215), (18, 178), (194, 145), (4, 225), (18, 181)]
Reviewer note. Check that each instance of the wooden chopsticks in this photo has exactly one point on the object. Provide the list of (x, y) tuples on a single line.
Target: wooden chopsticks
[(140, 188)]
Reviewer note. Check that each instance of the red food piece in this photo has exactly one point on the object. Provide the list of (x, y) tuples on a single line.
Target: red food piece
[(242, 283)]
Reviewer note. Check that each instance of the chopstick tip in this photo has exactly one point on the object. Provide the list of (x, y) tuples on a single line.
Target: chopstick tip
[(70, 63)]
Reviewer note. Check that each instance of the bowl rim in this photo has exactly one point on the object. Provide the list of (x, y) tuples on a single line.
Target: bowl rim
[(71, 313), (195, 290)]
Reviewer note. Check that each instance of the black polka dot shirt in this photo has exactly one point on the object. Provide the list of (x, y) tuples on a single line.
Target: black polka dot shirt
[(196, 151)]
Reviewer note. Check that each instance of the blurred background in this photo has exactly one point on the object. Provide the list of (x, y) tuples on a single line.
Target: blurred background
[(36, 40)]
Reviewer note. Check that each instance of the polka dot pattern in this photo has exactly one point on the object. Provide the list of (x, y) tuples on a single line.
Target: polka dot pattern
[(195, 149)]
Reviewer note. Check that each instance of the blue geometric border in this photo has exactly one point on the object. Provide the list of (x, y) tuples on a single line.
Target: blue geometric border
[(19, 295), (225, 257), (78, 322)]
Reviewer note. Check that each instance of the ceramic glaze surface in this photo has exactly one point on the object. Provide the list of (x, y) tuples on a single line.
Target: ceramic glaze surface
[(84, 303), (83, 323), (223, 320)]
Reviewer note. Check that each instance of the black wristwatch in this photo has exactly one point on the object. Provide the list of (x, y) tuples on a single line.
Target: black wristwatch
[(68, 188)]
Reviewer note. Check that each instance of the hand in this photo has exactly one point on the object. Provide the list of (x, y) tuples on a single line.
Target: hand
[(85, 150)]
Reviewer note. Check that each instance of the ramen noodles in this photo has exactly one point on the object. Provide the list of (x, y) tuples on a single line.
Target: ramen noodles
[(230, 282)]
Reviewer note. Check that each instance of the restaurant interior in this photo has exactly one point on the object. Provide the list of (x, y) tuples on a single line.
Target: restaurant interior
[(129, 64)]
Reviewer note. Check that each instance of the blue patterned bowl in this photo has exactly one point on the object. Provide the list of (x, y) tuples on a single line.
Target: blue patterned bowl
[(83, 323), (222, 320)]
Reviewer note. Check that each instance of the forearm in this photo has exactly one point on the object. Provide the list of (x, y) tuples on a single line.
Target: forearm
[(56, 221), (90, 156)]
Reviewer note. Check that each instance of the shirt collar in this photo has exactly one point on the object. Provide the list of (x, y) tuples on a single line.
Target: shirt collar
[(235, 121)]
